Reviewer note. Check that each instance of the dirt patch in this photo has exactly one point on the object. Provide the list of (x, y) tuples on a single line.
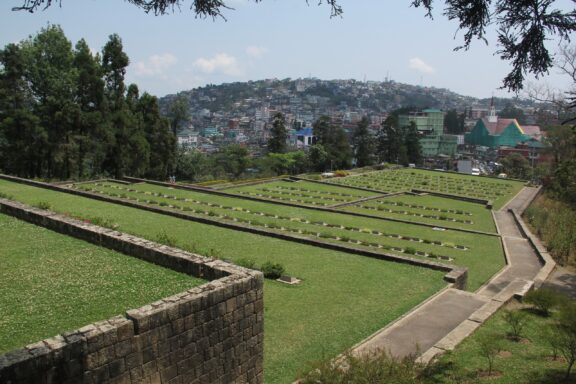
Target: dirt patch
[(505, 354)]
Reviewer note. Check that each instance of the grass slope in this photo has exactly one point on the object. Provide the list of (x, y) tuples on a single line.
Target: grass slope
[(303, 192), (429, 206), (483, 254), (51, 283), (343, 298), (497, 190)]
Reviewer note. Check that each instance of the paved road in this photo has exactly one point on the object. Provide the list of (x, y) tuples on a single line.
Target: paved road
[(428, 324)]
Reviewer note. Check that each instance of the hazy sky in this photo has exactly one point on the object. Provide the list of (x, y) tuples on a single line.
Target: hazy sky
[(277, 38)]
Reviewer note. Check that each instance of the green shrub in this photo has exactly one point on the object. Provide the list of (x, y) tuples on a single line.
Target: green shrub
[(103, 222), (377, 367), (246, 263), (517, 320), (543, 299), (5, 196), (410, 250), (211, 252), (166, 239), (43, 205), (489, 347), (272, 270), (163, 204)]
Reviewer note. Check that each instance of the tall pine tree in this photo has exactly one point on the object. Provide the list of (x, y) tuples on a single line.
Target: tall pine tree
[(278, 135), (363, 143)]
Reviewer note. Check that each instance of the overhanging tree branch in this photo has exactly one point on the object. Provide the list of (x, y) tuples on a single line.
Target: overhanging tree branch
[(523, 26)]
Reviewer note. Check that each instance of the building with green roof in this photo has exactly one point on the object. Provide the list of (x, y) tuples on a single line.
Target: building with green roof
[(494, 132)]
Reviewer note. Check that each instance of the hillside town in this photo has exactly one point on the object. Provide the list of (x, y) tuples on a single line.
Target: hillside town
[(242, 113)]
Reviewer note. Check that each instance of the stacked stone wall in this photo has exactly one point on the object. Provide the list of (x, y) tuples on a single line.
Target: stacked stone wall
[(209, 334)]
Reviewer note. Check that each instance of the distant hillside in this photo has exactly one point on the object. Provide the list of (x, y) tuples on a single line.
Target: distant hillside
[(305, 96)]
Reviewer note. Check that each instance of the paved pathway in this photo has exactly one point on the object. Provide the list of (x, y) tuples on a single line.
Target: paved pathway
[(425, 326), (428, 324)]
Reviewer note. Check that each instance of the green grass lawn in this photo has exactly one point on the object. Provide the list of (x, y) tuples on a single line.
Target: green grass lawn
[(482, 254), (302, 192), (528, 361), (342, 299), (499, 191), (430, 210), (51, 283)]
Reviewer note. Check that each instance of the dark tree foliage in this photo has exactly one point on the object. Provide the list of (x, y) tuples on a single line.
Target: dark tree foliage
[(454, 122), (233, 159), (523, 28), (179, 113), (278, 135), (388, 140), (202, 8), (412, 144), (523, 25), (66, 113), (335, 142), (363, 143), (511, 112)]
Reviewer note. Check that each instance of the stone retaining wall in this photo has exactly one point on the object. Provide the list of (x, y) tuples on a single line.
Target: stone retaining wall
[(209, 334)]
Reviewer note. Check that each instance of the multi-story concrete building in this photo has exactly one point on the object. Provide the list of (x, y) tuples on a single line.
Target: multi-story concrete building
[(430, 125)]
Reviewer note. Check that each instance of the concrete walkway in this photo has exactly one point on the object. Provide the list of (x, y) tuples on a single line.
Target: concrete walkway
[(422, 328), (445, 319)]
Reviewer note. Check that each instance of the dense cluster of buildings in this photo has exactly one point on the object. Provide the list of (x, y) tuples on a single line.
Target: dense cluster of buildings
[(241, 113)]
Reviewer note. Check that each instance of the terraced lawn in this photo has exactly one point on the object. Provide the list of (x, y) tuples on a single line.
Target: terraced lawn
[(342, 299), (499, 191), (51, 283), (439, 211), (302, 192), (482, 254)]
